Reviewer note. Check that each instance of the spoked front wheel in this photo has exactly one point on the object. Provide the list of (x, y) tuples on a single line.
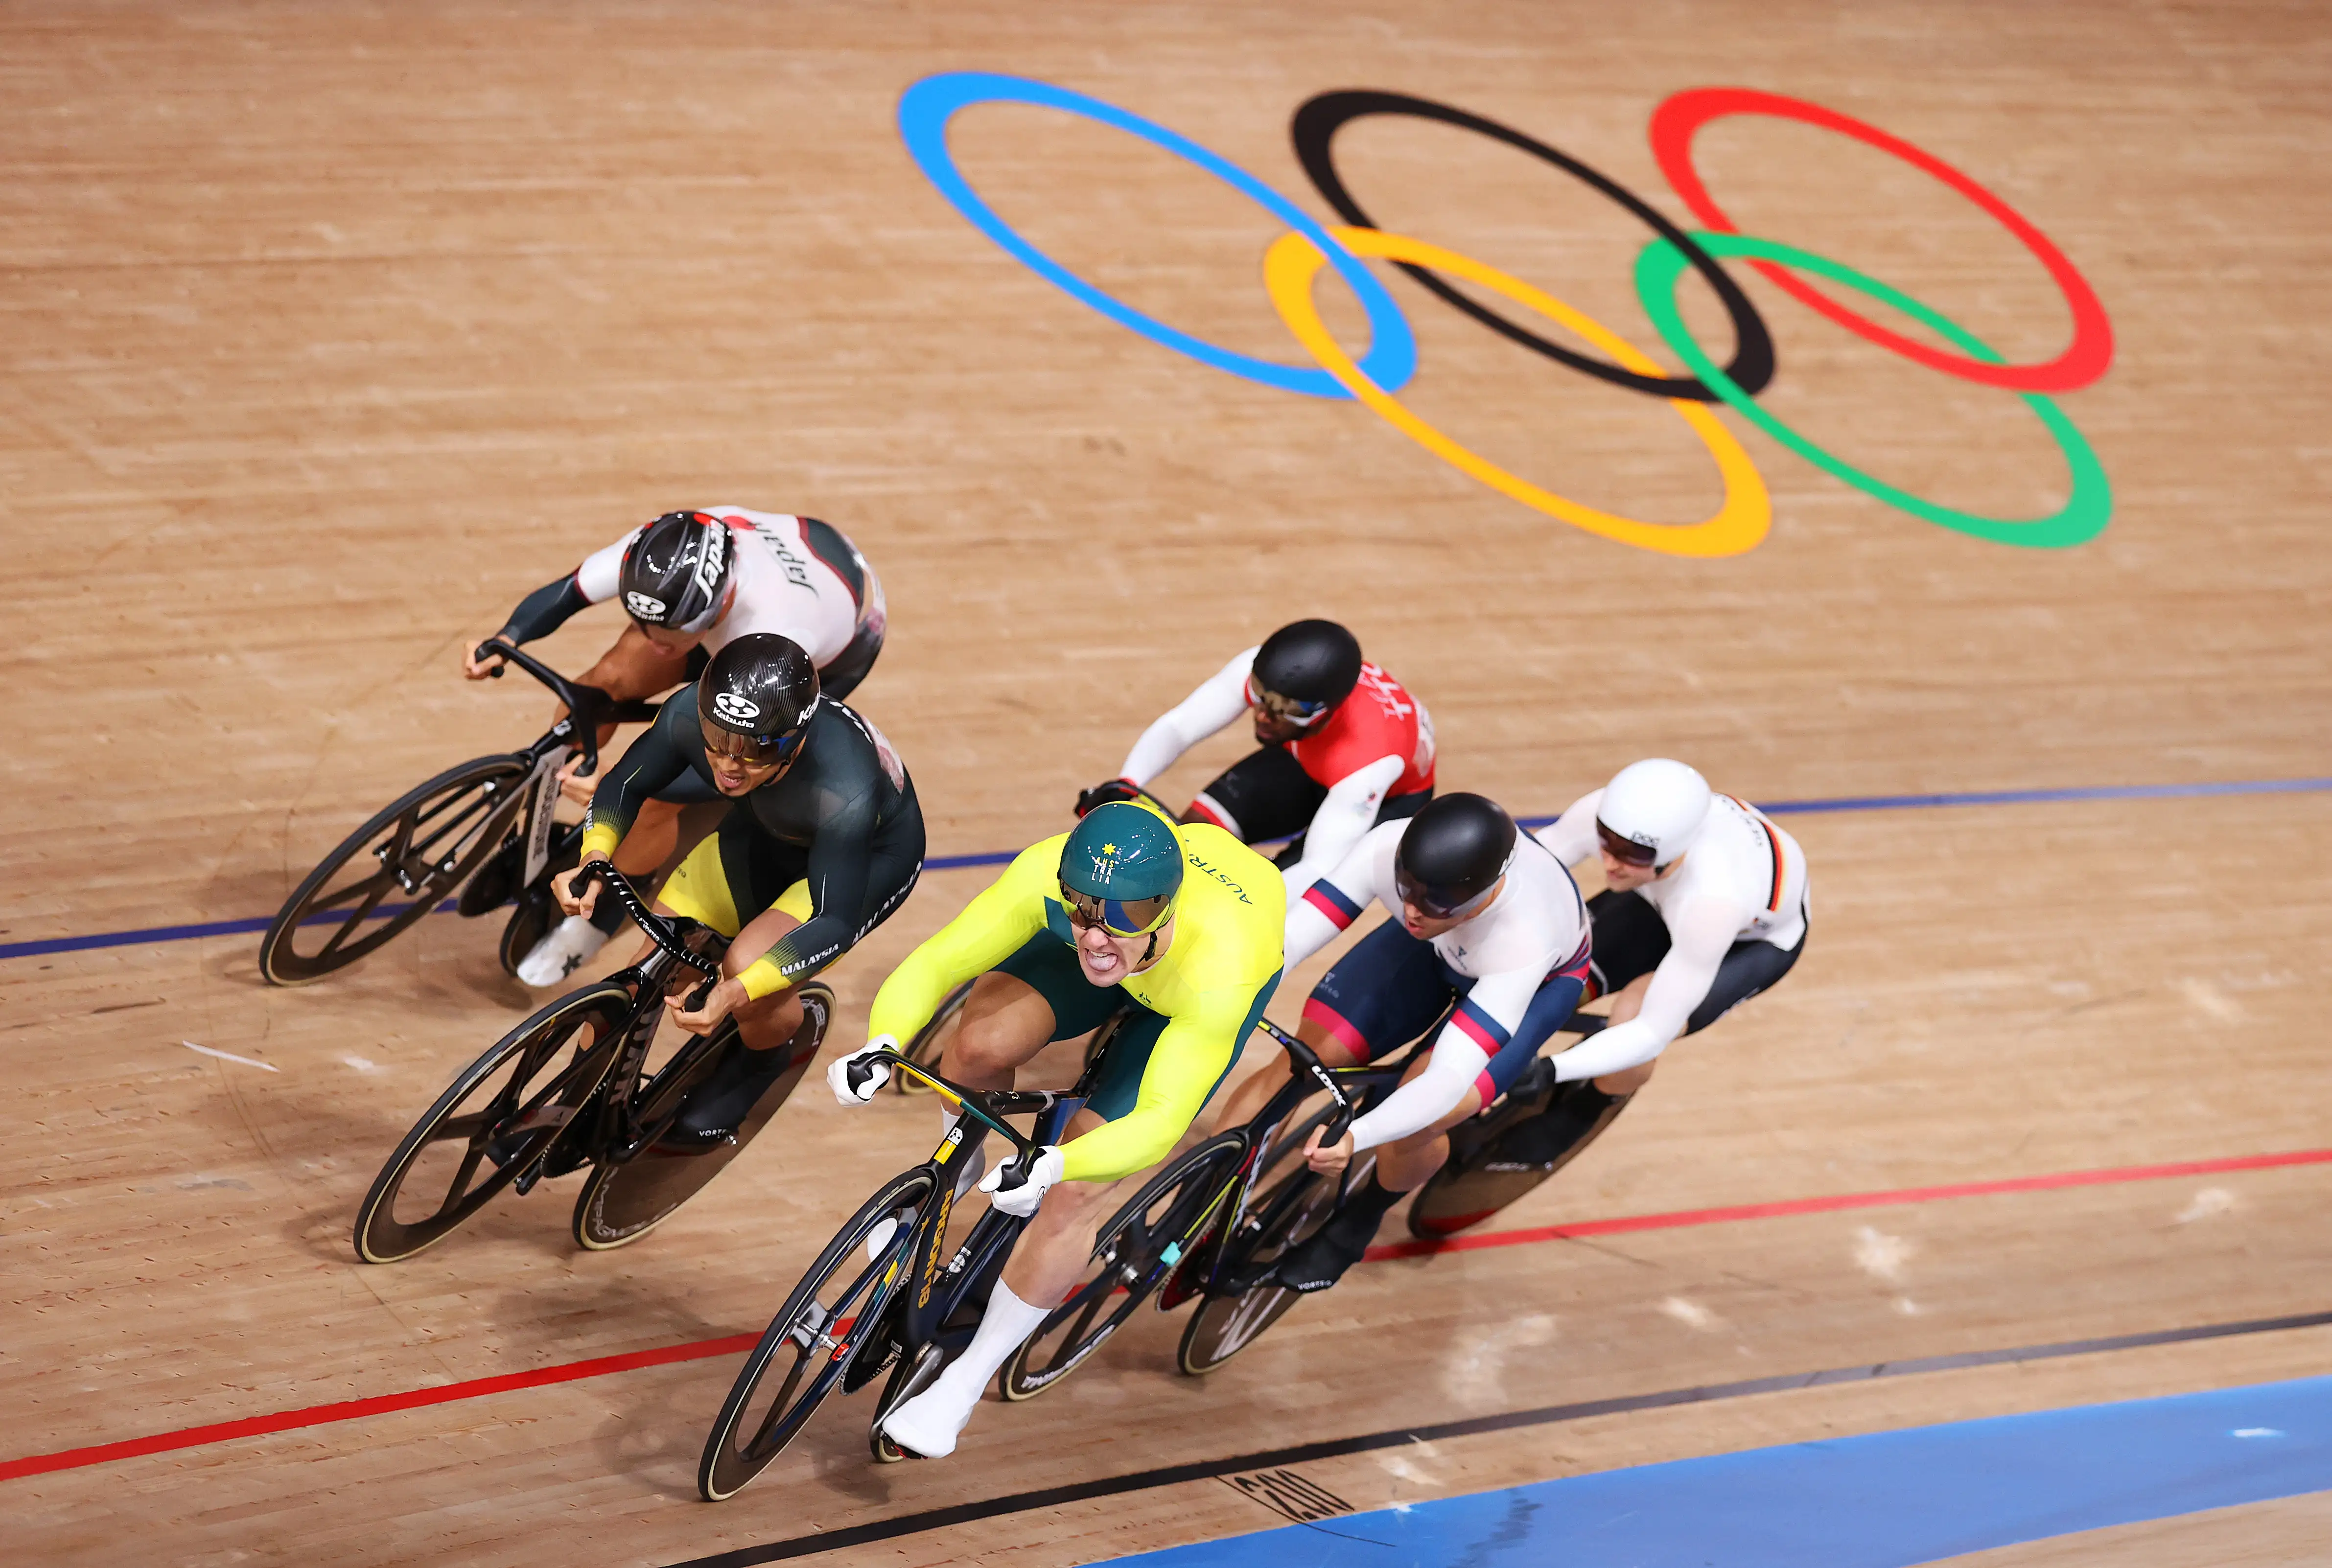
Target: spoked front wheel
[(393, 870), (622, 1202), (1295, 1201), (1137, 1248), (496, 1120), (808, 1346)]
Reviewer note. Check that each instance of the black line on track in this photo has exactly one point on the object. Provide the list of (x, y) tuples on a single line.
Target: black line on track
[(1545, 1415)]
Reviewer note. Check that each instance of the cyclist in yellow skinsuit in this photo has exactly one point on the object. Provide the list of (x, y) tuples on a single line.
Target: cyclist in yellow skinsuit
[(1184, 922)]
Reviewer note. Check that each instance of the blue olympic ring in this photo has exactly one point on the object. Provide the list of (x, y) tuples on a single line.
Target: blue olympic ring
[(924, 111)]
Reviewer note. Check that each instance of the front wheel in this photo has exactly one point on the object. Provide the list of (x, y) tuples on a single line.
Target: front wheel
[(417, 850), (492, 1123), (831, 1315), (1295, 1201), (1139, 1247), (622, 1202)]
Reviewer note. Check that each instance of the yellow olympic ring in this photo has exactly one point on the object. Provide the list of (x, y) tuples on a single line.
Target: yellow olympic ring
[(1294, 261)]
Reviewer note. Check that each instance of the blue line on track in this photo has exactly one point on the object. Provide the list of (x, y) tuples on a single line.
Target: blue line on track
[(1881, 1500), (161, 934)]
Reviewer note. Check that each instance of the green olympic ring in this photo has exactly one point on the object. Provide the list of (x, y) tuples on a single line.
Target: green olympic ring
[(2082, 517)]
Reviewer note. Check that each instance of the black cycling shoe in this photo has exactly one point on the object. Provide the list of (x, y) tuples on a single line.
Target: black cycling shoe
[(718, 1106), (1319, 1263)]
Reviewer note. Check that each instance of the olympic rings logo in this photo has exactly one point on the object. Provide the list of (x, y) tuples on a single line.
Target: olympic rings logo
[(1293, 264)]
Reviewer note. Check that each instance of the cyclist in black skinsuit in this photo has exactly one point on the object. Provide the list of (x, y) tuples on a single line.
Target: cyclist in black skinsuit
[(825, 842)]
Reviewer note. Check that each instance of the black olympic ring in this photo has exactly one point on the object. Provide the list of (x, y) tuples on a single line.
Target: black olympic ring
[(1314, 130)]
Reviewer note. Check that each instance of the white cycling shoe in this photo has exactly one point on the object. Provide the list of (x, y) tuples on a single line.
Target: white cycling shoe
[(928, 1425), (888, 1226), (570, 944)]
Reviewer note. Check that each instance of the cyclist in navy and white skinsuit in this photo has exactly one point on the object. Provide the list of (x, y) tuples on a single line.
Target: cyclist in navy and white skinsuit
[(796, 577), (1515, 960)]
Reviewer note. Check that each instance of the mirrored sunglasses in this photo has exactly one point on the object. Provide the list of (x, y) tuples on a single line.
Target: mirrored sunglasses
[(1119, 917)]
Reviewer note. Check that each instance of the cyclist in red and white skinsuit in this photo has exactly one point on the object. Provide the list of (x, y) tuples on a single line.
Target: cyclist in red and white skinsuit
[(692, 582), (1345, 747)]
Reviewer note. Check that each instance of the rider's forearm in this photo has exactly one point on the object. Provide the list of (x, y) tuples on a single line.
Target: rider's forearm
[(1457, 1062), (1680, 985), (1342, 820), (1184, 1066), (1571, 837), (544, 611), (1147, 1134), (1218, 702), (991, 929)]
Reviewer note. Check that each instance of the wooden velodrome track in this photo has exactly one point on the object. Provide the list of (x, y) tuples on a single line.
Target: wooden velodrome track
[(331, 329)]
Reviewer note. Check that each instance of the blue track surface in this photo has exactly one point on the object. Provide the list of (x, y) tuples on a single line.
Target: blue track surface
[(1887, 1500)]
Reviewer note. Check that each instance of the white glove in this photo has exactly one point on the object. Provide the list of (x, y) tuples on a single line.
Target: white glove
[(870, 1077), (1021, 1202)]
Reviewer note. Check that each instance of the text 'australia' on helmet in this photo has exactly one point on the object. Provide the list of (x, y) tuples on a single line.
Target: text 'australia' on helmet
[(675, 573), (1452, 854), (1121, 869), (1309, 667), (1652, 811), (761, 689)]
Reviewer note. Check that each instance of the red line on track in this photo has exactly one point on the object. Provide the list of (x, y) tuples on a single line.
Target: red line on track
[(1829, 1205), (705, 1349)]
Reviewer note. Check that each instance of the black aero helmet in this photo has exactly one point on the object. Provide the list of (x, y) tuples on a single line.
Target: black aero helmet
[(1453, 853), (675, 570), (762, 688), (1309, 667)]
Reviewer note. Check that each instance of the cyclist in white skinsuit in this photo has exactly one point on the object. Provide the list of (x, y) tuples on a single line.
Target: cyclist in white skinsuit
[(780, 580), (1483, 917), (692, 582), (1706, 906)]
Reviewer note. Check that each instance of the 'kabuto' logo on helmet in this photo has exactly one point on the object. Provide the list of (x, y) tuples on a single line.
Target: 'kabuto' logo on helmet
[(737, 710), (646, 606)]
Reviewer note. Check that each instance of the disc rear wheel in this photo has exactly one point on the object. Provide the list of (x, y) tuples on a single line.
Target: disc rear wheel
[(497, 1119), (393, 870), (620, 1203)]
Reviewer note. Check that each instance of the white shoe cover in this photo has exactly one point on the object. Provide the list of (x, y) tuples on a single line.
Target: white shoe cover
[(879, 1236), (927, 1424), (563, 952)]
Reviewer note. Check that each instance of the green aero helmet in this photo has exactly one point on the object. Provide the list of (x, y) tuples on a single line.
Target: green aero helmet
[(1121, 869)]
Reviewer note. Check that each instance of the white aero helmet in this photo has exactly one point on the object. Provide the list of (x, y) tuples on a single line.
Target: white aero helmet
[(1652, 811)]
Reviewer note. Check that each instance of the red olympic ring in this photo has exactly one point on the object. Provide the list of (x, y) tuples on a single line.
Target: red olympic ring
[(1672, 129)]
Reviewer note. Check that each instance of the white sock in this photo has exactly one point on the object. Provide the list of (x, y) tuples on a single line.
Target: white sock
[(1007, 1321)]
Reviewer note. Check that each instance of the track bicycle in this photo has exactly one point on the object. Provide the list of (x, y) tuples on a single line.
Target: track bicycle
[(852, 1318), (1215, 1222), (577, 1085), (487, 822), (1212, 1224)]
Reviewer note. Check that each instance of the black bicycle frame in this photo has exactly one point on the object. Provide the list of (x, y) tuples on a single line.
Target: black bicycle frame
[(615, 1132), (982, 1254)]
